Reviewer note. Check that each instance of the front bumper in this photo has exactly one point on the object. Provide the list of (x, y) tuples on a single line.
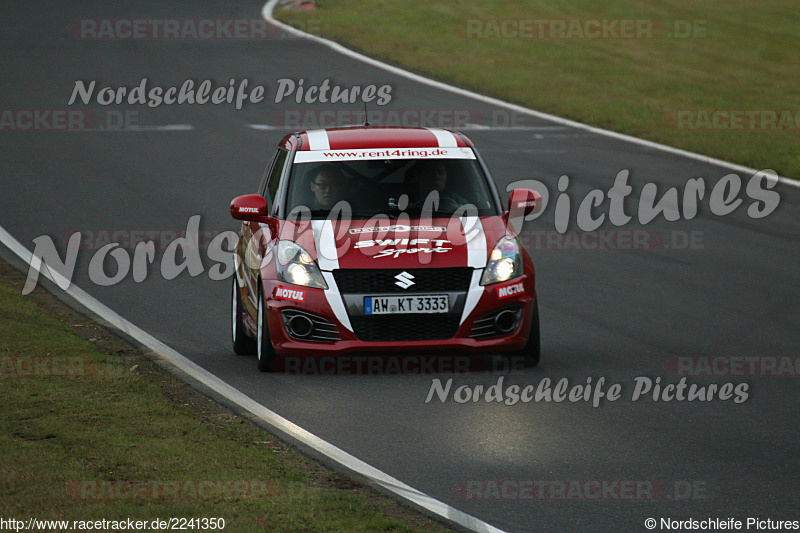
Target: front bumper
[(466, 333)]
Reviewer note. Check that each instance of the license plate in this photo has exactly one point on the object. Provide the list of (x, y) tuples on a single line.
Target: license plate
[(403, 305)]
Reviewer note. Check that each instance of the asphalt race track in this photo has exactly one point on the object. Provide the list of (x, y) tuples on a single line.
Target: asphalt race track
[(618, 314)]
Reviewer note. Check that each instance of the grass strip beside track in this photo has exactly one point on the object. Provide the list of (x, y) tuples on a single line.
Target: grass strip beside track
[(92, 429), (707, 78)]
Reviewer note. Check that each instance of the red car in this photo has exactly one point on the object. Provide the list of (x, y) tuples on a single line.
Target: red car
[(368, 239)]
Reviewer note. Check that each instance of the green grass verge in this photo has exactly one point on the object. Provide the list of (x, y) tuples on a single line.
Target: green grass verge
[(739, 56), (92, 429)]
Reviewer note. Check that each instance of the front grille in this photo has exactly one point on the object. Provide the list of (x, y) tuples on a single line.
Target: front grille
[(405, 328), (353, 281), (323, 330)]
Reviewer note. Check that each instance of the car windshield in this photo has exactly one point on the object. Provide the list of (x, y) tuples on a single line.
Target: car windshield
[(417, 187)]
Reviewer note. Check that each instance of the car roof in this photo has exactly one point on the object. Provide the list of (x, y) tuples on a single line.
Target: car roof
[(360, 137)]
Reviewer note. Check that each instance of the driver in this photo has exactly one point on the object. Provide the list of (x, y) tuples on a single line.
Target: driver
[(327, 186)]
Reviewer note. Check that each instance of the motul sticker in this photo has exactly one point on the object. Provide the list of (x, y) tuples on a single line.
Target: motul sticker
[(248, 210), (282, 293), (529, 203), (510, 290)]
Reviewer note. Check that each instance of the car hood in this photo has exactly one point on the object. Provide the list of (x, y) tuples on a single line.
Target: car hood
[(411, 243)]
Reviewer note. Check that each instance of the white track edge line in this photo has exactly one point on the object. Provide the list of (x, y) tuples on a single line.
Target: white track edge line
[(240, 399), (267, 14)]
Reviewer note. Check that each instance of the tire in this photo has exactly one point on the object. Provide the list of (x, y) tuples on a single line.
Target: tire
[(264, 350), (532, 350), (243, 344)]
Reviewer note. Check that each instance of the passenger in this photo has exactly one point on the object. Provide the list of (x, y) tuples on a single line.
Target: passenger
[(431, 175)]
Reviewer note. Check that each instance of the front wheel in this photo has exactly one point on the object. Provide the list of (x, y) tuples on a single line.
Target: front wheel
[(243, 344), (532, 350), (264, 350)]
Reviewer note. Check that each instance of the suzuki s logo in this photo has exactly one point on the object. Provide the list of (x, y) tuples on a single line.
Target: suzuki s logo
[(404, 280)]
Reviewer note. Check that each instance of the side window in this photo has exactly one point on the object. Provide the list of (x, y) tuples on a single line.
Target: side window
[(273, 179)]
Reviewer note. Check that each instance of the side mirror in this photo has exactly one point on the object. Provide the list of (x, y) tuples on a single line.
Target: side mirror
[(250, 207), (521, 203)]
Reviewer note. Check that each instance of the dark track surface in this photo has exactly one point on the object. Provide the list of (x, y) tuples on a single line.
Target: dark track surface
[(617, 314)]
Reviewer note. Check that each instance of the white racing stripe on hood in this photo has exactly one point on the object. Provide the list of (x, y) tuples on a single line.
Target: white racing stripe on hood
[(476, 241), (328, 259), (325, 243), (473, 294), (476, 258), (318, 140), (445, 138), (335, 300)]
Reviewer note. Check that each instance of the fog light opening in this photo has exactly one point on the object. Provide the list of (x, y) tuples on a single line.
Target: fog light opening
[(300, 326), (505, 321)]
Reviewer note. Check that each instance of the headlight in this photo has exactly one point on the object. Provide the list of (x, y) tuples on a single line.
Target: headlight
[(296, 266), (505, 262)]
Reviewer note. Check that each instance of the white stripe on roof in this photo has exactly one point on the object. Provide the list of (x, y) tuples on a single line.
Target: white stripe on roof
[(445, 138), (318, 140)]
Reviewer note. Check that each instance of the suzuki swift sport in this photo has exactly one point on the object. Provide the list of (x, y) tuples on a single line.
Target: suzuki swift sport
[(368, 239)]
